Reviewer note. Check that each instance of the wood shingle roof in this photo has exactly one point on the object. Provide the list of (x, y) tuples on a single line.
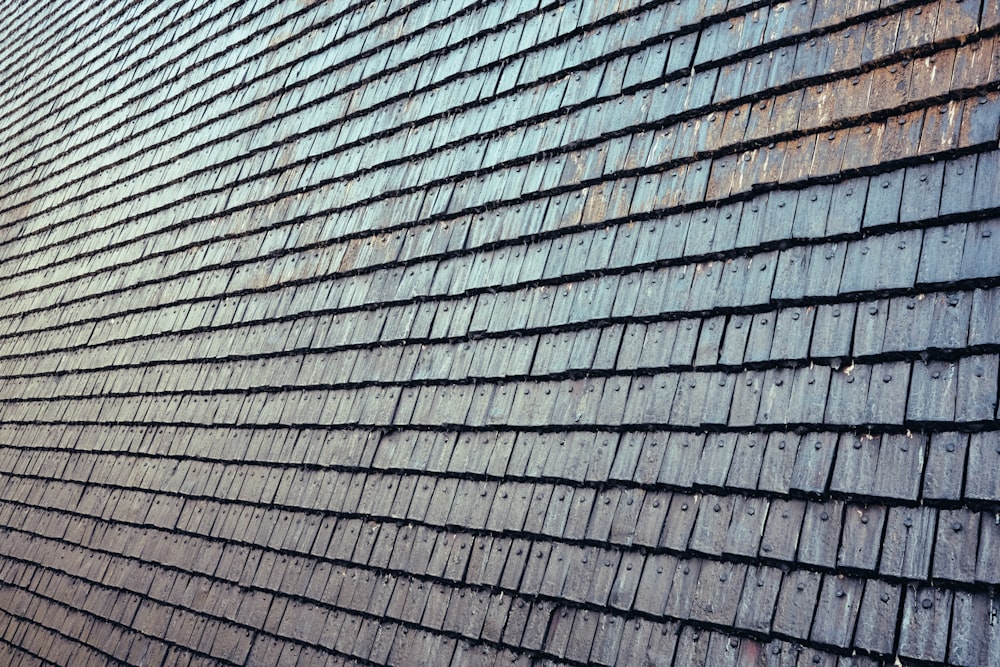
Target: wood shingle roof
[(500, 332)]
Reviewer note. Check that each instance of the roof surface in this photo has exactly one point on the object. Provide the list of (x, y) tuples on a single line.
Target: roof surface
[(500, 332)]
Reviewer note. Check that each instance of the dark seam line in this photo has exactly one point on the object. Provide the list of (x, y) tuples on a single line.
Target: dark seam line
[(20, 650), (103, 619), (28, 24), (908, 426), (256, 632)]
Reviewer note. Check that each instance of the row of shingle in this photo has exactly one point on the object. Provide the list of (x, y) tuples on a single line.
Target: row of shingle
[(455, 502), (359, 592), (793, 160), (886, 395), (481, 16), (355, 637), (890, 328), (18, 657), (53, 602), (486, 614), (25, 643), (417, 106), (940, 321), (931, 474), (932, 397), (18, 26), (132, 57), (942, 470), (225, 58), (26, 31), (146, 152)]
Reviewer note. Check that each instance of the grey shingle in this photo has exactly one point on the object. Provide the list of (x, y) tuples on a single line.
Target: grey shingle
[(779, 459), (854, 469), (983, 326), (652, 517), (974, 637), (980, 246), (820, 536), (921, 192), (680, 521), (981, 474), (812, 211), (979, 124), (923, 633), (877, 616), (900, 464), (748, 459), (757, 602), (892, 260), (746, 527), (716, 458), (978, 388), (679, 467), (956, 545), (944, 472), (651, 457), (837, 610), (746, 398), (932, 391), (833, 330), (860, 540), (989, 534), (813, 463), (958, 184), (794, 612), (654, 586), (623, 592), (781, 532), (906, 548), (711, 526)]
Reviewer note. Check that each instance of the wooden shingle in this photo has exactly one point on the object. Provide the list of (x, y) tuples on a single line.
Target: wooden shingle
[(497, 333), (926, 617), (796, 599)]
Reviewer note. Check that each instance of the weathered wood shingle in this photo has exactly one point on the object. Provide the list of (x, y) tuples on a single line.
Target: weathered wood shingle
[(570, 333)]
